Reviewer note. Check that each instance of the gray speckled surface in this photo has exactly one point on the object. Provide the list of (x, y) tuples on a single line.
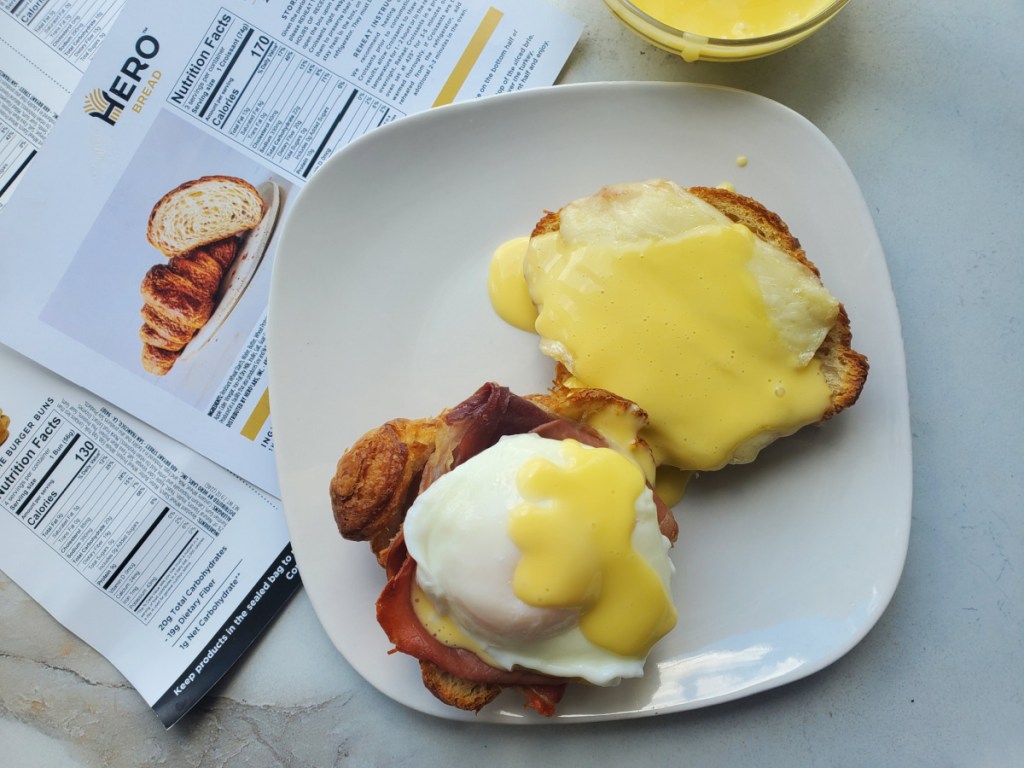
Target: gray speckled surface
[(925, 102)]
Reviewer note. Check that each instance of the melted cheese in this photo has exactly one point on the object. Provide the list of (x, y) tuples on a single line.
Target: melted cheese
[(574, 531), (735, 20)]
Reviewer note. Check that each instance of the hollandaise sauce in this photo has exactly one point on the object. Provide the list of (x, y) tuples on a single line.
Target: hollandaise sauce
[(670, 484), (443, 627), (506, 285), (711, 332), (680, 327), (545, 555), (732, 19), (574, 531)]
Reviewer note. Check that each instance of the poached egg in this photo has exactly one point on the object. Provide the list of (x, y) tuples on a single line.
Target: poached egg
[(546, 555)]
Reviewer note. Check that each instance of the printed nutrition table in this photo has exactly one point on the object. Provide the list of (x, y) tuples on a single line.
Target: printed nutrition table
[(71, 28), (75, 479), (269, 98), (37, 79)]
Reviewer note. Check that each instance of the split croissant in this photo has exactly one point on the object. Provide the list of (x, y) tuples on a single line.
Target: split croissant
[(203, 211), (196, 225), (179, 298)]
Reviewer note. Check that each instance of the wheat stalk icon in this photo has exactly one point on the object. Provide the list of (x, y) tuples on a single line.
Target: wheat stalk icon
[(97, 103)]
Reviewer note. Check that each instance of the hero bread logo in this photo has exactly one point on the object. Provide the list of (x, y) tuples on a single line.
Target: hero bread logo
[(108, 104), (99, 104)]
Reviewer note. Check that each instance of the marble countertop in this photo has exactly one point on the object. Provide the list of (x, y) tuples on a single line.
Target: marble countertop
[(925, 102)]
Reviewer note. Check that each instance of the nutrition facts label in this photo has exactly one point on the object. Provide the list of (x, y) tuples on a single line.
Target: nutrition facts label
[(271, 99), (45, 46), (123, 518), (24, 123), (72, 28), (165, 563)]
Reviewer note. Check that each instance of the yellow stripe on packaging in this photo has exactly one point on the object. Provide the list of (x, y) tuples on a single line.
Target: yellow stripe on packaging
[(258, 417), (469, 57)]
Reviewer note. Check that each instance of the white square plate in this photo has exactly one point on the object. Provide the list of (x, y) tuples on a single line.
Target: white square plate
[(379, 309)]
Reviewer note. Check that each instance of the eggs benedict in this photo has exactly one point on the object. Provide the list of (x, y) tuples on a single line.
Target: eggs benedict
[(698, 305), (521, 548)]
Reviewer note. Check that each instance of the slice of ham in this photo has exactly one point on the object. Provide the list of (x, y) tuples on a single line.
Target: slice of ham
[(492, 412), (471, 427), (544, 698), (477, 423), (397, 617)]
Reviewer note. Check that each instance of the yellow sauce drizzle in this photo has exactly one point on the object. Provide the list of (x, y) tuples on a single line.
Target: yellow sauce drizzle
[(681, 328), (619, 430), (574, 532), (670, 484), (506, 285), (443, 628)]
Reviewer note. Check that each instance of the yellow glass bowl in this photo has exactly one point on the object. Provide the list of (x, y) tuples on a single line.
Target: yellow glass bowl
[(693, 47)]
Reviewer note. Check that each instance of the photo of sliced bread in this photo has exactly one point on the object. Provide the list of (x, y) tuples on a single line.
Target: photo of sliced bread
[(203, 211)]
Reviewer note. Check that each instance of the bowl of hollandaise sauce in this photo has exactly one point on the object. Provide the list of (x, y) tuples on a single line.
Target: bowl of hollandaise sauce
[(725, 30)]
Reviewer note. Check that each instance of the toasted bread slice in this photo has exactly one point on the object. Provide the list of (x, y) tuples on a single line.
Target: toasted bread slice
[(457, 691), (203, 211), (377, 480), (844, 369)]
